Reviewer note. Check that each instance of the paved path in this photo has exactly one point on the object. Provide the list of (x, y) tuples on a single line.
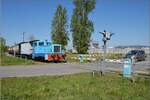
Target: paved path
[(66, 68), (38, 70), (139, 68)]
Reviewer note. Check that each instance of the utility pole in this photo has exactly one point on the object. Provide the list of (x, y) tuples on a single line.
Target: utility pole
[(23, 35), (106, 37)]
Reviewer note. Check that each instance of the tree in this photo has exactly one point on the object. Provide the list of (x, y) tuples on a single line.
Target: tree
[(2, 48), (59, 27), (81, 26), (2, 44)]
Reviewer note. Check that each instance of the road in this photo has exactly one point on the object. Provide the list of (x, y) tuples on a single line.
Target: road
[(38, 70), (142, 67), (67, 68), (139, 67)]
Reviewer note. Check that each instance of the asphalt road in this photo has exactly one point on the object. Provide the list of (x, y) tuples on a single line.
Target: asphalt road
[(38, 70), (67, 68), (141, 67)]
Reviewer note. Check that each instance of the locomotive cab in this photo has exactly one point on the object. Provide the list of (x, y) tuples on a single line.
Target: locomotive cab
[(48, 51)]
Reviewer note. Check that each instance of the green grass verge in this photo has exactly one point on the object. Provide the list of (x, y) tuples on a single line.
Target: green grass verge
[(7, 60), (114, 56), (75, 87)]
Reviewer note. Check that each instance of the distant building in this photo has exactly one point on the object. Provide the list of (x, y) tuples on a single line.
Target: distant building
[(132, 46), (126, 49), (94, 47)]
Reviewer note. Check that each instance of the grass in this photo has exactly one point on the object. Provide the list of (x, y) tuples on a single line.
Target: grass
[(10, 60), (75, 87), (114, 56)]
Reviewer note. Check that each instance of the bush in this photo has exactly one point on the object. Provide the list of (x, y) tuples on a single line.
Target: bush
[(92, 57)]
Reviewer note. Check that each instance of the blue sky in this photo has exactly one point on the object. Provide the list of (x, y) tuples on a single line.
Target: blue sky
[(128, 19)]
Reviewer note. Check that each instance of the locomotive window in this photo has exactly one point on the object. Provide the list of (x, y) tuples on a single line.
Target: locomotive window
[(41, 43), (56, 48), (34, 44), (48, 43)]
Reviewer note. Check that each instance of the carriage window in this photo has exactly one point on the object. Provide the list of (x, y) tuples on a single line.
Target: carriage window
[(56, 48), (41, 43)]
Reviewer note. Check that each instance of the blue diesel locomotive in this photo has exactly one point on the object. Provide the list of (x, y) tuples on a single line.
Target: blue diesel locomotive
[(41, 50), (47, 51)]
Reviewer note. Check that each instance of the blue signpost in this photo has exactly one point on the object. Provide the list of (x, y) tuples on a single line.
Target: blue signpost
[(81, 58), (127, 68)]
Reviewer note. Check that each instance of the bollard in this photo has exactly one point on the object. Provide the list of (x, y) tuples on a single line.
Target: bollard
[(93, 73), (127, 68), (81, 58)]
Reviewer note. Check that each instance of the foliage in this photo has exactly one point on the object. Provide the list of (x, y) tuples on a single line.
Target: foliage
[(114, 56), (59, 27), (2, 44), (81, 26), (93, 57), (75, 87)]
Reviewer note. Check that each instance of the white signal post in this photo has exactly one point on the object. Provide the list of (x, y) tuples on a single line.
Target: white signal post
[(106, 37)]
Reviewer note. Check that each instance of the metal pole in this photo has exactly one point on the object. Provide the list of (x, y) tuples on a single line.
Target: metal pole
[(106, 36), (105, 48), (23, 36), (104, 57)]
